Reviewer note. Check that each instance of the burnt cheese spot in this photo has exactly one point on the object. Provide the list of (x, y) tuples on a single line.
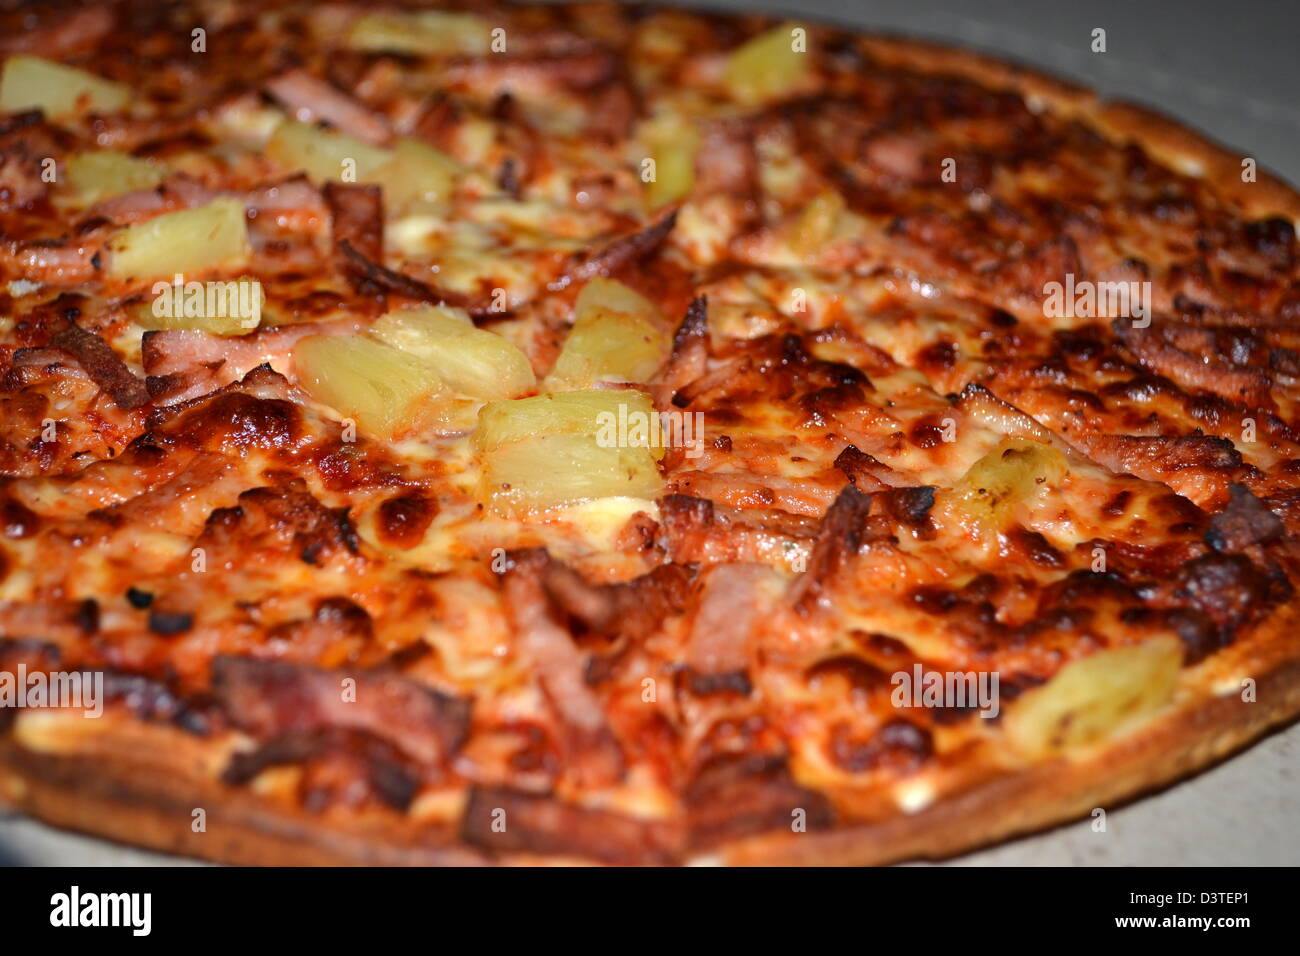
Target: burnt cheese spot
[(169, 623), (401, 522), (899, 745), (18, 521), (237, 421)]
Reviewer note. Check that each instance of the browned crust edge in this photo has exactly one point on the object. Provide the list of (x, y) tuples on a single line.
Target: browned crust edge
[(1203, 730), (148, 800), (1167, 140), (149, 807)]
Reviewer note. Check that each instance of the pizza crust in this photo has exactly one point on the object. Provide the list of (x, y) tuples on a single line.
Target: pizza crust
[(1167, 140), (137, 788), (131, 787)]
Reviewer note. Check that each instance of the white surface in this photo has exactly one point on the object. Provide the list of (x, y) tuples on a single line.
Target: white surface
[(1229, 69)]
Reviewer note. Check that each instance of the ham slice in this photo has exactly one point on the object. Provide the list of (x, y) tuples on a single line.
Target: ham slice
[(269, 698), (555, 658), (313, 100)]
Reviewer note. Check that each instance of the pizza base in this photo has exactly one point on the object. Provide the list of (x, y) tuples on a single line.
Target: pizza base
[(112, 790)]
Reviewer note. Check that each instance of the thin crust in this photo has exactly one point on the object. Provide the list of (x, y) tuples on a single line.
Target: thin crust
[(112, 793), (141, 782), (1168, 140)]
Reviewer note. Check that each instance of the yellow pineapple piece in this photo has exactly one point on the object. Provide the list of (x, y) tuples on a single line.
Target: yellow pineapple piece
[(1015, 473), (1094, 697), (424, 32), (324, 154), (93, 177), (384, 390), (672, 143), (231, 307), (29, 83), (618, 336), (470, 360), (553, 450), (416, 175), (191, 241), (817, 223), (770, 66)]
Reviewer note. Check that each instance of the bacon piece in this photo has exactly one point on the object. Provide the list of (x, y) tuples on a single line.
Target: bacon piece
[(993, 413), (697, 531), (292, 203), (579, 70), (865, 472), (1049, 262), (54, 262), (358, 216), (722, 634), (1244, 522), (1159, 455), (534, 823), (690, 355), (438, 119), (70, 33), (1152, 346), (183, 364), (181, 503), (333, 762), (382, 278), (736, 796), (151, 699), (843, 532), (900, 156), (726, 161), (26, 141), (622, 251), (806, 496), (1228, 588), (269, 698), (102, 364), (630, 609), (313, 100), (142, 204), (910, 506), (560, 668)]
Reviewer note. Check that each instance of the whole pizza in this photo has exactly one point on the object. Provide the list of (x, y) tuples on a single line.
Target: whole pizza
[(609, 434)]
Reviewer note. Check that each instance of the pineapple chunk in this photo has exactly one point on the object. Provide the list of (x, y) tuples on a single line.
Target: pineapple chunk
[(618, 337), (768, 67), (57, 90), (1013, 473), (425, 32), (470, 360), (558, 449), (1094, 697), (386, 392), (816, 224), (210, 237), (672, 143), (226, 308), (97, 176), (324, 154), (416, 175)]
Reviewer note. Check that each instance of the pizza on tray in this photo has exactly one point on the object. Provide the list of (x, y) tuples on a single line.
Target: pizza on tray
[(597, 434)]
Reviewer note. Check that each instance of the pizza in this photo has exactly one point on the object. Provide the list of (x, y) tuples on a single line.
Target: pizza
[(621, 435)]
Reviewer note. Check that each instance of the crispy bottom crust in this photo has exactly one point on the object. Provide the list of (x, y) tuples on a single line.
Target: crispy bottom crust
[(140, 788), (116, 792)]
